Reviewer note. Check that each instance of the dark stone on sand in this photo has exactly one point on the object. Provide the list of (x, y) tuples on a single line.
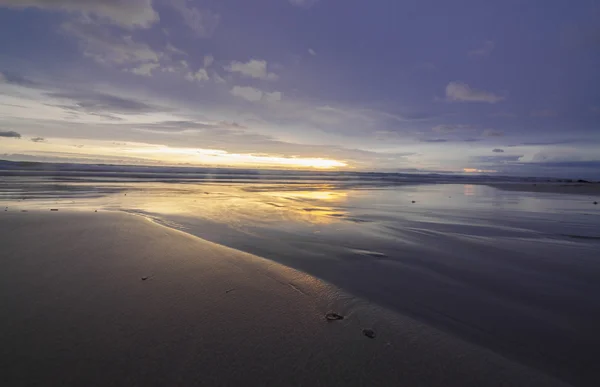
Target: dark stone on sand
[(145, 278), (54, 209), (595, 202), (369, 333), (413, 201), (96, 211), (333, 316)]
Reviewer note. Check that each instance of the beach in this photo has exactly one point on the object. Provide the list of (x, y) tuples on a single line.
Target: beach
[(103, 299), (495, 270)]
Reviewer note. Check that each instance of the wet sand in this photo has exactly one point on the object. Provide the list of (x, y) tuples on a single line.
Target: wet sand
[(76, 311), (591, 189)]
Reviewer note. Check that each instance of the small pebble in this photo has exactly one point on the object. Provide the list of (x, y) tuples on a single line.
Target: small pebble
[(54, 209), (144, 278), (413, 201), (369, 333), (333, 316)]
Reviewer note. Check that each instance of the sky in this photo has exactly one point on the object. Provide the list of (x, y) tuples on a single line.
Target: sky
[(475, 86)]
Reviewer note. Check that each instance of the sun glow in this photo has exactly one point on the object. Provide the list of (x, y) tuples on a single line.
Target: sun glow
[(143, 153), (221, 157)]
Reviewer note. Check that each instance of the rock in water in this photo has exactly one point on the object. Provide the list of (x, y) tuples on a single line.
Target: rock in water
[(333, 316), (369, 333)]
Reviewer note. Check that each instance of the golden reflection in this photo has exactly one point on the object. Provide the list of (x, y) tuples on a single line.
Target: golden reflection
[(237, 207), (311, 195)]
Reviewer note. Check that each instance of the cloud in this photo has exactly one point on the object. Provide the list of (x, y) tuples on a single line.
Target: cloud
[(253, 69), (102, 46), (10, 134), (434, 140), (145, 69), (451, 128), (99, 103), (175, 50), (498, 150), (544, 113), (303, 3), (255, 95), (275, 96), (202, 21), (247, 93), (543, 143), (200, 75), (493, 133), (219, 127), (461, 92), (208, 61), (38, 139), (483, 51), (496, 158), (312, 52), (125, 13)]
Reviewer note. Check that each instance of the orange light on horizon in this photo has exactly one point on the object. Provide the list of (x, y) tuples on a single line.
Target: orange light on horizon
[(475, 170)]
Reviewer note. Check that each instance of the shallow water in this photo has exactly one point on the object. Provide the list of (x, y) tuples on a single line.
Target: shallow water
[(516, 272)]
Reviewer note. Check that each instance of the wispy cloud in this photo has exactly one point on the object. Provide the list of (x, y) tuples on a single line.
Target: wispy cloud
[(200, 75), (145, 69), (461, 92), (253, 69), (126, 13), (312, 52), (255, 95), (203, 22), (38, 139), (106, 47)]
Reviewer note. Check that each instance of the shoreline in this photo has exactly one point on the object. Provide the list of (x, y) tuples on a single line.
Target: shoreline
[(205, 313)]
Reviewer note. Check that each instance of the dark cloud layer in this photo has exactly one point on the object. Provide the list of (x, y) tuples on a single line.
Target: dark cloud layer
[(10, 134), (102, 103)]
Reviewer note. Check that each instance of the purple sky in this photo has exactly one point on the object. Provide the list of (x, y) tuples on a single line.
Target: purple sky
[(508, 86)]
